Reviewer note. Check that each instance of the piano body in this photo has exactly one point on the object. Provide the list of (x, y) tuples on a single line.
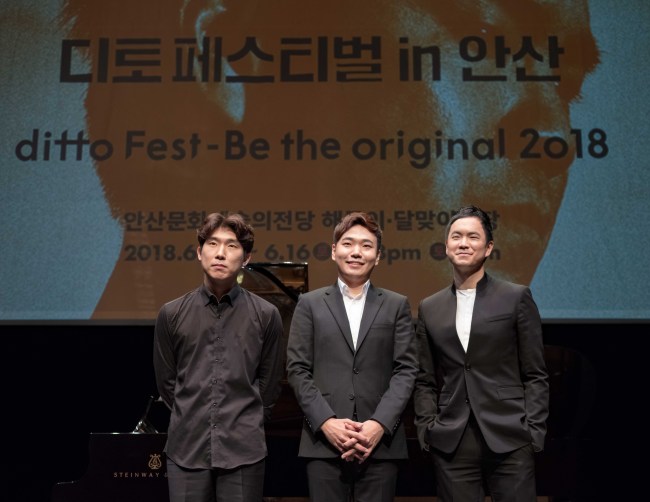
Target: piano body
[(128, 467)]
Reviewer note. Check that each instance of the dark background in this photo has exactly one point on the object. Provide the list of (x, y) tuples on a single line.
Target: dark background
[(62, 382)]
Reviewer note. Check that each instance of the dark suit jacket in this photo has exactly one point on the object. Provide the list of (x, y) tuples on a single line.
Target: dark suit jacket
[(331, 379), (502, 378)]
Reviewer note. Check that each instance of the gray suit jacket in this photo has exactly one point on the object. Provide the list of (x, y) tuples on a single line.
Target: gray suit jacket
[(331, 379), (502, 378)]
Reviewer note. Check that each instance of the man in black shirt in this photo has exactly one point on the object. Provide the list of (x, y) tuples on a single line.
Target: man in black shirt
[(218, 364)]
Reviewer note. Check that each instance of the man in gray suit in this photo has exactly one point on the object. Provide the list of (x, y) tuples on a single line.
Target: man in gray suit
[(351, 361), (481, 396)]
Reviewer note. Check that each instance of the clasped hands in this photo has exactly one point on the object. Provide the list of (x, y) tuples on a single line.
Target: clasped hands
[(355, 440)]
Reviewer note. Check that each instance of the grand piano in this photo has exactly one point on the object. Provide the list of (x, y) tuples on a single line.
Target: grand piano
[(130, 467)]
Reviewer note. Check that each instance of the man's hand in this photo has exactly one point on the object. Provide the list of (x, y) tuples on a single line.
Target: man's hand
[(368, 436), (343, 433)]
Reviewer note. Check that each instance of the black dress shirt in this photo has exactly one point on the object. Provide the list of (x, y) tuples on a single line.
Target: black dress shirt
[(218, 366)]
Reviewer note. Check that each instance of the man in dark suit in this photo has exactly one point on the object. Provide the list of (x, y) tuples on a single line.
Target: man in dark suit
[(352, 362), (481, 395)]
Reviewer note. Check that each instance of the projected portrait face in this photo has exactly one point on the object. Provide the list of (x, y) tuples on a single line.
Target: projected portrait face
[(527, 114), (408, 110)]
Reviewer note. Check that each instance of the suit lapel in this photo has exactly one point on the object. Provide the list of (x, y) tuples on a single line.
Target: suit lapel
[(452, 306), (334, 301), (374, 299)]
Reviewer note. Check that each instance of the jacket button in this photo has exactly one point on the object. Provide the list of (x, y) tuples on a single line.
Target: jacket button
[(355, 371), (467, 367), (350, 397), (467, 400)]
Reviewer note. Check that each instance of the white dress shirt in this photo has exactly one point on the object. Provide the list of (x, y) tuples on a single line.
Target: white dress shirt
[(354, 307), (464, 309)]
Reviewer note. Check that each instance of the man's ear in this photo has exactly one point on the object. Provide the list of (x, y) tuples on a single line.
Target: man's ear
[(230, 99), (247, 258), (488, 248)]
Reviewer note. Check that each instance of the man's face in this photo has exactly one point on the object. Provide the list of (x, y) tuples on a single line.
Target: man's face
[(356, 254), (467, 245), (222, 256), (525, 191)]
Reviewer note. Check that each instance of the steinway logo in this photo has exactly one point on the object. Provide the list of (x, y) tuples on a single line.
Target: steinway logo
[(154, 464), (154, 461)]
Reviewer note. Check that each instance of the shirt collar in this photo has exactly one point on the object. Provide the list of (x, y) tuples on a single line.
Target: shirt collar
[(229, 298), (345, 291), (480, 286)]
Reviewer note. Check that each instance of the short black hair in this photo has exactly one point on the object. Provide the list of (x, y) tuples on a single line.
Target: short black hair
[(235, 222), (358, 218), (477, 212)]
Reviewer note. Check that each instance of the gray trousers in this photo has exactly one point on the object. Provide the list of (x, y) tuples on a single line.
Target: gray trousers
[(242, 484)]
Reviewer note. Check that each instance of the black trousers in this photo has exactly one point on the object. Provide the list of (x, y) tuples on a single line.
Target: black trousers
[(473, 469), (335, 480), (242, 484)]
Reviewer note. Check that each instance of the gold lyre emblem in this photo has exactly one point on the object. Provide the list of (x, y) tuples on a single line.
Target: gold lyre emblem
[(154, 461)]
